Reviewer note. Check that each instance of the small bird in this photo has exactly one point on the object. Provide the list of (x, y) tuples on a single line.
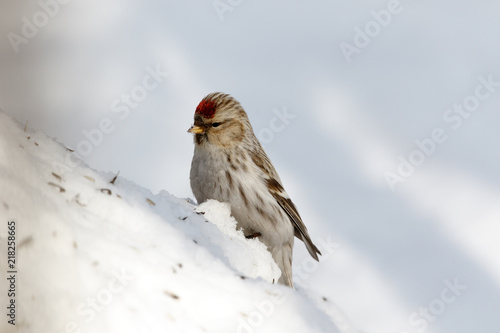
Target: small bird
[(230, 165)]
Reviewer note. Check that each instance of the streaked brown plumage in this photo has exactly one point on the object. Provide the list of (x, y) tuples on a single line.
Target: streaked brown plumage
[(230, 165)]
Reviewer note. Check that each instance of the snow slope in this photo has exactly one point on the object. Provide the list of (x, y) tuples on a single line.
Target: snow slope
[(95, 256)]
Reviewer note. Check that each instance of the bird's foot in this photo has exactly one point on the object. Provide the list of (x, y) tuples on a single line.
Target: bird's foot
[(254, 235)]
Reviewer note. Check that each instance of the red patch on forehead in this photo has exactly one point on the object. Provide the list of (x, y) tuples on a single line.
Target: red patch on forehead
[(206, 108)]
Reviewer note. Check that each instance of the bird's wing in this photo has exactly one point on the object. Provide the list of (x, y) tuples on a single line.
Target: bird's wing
[(274, 186), (278, 192)]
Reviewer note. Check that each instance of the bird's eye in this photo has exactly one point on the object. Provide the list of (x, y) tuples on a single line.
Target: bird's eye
[(215, 124)]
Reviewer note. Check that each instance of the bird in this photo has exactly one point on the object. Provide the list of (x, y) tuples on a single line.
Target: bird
[(230, 165)]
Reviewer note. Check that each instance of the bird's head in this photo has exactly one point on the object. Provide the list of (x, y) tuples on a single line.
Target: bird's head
[(220, 120)]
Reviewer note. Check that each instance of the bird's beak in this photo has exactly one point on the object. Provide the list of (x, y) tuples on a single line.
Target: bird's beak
[(196, 129)]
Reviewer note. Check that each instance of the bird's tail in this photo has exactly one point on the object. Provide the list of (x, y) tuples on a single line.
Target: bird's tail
[(311, 248)]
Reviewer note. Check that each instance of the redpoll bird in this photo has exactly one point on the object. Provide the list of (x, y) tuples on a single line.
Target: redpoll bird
[(229, 165)]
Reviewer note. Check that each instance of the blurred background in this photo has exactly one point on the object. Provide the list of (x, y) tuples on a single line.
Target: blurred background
[(381, 118)]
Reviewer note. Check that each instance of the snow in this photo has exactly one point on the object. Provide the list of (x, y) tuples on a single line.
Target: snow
[(248, 256), (96, 256), (389, 252)]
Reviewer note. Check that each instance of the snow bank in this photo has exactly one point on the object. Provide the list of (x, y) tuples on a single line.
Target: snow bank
[(95, 256)]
